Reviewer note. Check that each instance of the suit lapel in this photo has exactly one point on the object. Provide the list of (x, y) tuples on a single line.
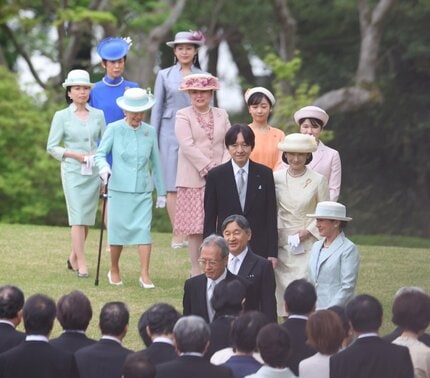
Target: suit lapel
[(247, 264), (254, 184), (337, 243)]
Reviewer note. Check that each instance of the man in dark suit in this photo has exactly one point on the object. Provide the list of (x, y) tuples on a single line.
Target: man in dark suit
[(243, 187), (106, 357), (159, 320), (11, 303), (35, 357), (191, 335), (198, 290), (244, 263), (74, 313), (369, 356), (300, 298)]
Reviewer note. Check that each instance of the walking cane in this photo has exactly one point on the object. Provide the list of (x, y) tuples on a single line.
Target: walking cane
[(102, 223)]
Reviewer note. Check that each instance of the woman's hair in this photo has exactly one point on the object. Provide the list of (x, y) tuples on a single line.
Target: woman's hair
[(68, 99), (314, 122), (325, 332), (196, 61), (308, 159), (256, 98), (411, 310)]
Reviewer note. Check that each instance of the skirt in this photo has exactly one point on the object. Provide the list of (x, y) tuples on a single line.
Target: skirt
[(82, 195), (190, 212), (129, 218)]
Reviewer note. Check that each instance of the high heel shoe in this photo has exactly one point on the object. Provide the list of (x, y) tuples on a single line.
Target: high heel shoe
[(144, 285), (69, 266), (82, 275), (109, 276)]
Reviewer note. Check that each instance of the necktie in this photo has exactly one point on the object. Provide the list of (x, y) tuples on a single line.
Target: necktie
[(241, 188), (233, 265), (211, 311)]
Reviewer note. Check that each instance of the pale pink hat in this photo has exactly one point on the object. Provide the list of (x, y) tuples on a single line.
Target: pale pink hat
[(199, 82), (311, 112)]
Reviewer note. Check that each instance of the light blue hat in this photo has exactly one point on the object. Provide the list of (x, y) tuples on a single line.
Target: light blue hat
[(136, 100), (113, 48), (78, 77), (330, 210)]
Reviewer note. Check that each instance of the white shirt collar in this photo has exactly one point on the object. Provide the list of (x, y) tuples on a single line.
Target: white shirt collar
[(236, 167), (162, 339), (241, 256), (368, 334), (7, 322), (192, 354), (304, 317), (36, 338), (113, 338), (219, 279)]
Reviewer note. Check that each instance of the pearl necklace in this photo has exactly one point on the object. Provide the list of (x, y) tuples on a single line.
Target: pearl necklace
[(202, 113), (113, 85), (296, 175)]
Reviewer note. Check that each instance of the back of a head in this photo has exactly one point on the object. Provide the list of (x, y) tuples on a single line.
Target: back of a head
[(365, 313), (11, 301), (160, 319), (39, 315), (273, 342), (228, 297), (325, 332), (191, 334), (244, 330), (74, 311), (138, 365), (411, 310), (300, 297), (114, 317)]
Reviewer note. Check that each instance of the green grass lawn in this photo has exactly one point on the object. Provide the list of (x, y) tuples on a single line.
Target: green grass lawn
[(34, 258)]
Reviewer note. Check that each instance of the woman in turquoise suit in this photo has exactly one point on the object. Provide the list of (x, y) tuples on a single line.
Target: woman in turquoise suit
[(334, 260), (72, 140), (133, 144), (169, 101)]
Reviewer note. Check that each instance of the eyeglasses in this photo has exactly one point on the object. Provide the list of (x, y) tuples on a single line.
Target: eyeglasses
[(211, 263)]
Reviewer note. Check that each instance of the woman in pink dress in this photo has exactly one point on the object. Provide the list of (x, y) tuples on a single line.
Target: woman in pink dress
[(200, 130)]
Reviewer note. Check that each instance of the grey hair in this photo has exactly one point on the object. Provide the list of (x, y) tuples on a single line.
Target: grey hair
[(217, 241), (241, 221), (192, 334)]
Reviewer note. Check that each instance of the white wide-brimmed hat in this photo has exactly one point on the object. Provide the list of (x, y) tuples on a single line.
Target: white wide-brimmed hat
[(78, 77), (136, 100), (311, 112), (296, 142), (249, 92), (199, 82), (330, 210), (189, 37)]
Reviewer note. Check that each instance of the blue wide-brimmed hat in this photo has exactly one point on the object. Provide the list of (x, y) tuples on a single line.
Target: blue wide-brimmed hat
[(113, 48)]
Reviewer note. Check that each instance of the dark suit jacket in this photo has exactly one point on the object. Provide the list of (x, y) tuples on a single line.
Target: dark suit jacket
[(194, 300), (372, 357), (159, 352), (104, 359), (191, 366), (222, 199), (259, 271), (299, 350), (220, 334), (424, 338), (9, 337), (241, 366), (71, 341), (37, 359)]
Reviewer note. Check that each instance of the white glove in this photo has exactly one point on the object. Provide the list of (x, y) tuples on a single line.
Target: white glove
[(89, 161), (294, 240), (104, 174), (161, 202)]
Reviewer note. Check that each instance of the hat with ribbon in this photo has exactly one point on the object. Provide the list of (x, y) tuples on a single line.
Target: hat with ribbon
[(199, 82), (78, 77), (136, 100), (189, 37), (311, 112), (330, 210), (300, 143)]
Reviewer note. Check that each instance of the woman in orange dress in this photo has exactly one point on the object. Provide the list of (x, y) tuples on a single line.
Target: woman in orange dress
[(260, 102)]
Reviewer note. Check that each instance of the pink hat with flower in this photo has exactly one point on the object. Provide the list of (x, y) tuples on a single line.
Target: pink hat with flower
[(199, 82), (191, 37)]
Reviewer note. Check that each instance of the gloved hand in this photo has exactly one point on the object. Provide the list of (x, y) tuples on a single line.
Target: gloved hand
[(89, 161), (104, 174), (294, 240), (161, 202)]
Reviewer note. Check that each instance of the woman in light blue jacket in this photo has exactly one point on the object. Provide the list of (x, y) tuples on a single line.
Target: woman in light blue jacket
[(334, 261), (133, 144)]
